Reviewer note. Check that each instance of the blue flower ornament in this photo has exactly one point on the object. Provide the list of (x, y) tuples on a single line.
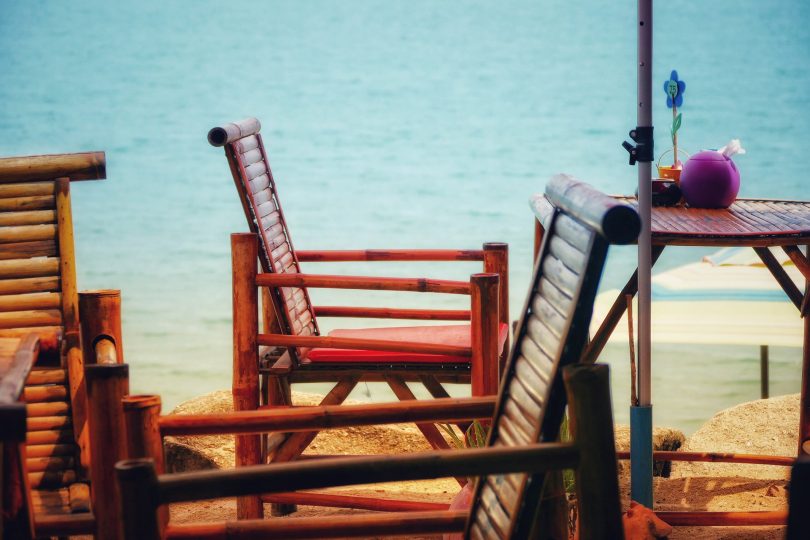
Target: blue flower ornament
[(674, 89)]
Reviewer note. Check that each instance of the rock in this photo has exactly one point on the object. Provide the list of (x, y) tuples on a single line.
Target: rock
[(764, 426), (664, 438)]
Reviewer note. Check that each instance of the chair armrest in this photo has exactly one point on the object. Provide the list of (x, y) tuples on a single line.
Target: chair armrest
[(320, 417), (364, 282), (415, 255), (296, 475), (393, 313), (362, 344)]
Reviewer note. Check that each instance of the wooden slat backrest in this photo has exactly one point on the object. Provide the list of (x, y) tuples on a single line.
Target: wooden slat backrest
[(257, 190), (552, 333)]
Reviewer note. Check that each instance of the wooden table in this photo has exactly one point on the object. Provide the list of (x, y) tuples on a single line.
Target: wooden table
[(756, 223)]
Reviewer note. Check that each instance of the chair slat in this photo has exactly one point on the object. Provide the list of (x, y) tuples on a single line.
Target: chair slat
[(42, 300), (255, 170), (32, 217), (524, 400), (573, 232), (246, 144), (519, 419), (251, 156), (23, 268), (530, 378), (493, 510), (16, 204), (573, 258), (24, 233), (560, 275), (536, 394), (550, 317), (561, 301), (537, 359), (27, 189), (29, 285), (22, 250), (45, 317), (542, 336), (260, 183)]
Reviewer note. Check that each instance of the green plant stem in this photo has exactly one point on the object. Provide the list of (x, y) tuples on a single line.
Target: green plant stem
[(674, 136)]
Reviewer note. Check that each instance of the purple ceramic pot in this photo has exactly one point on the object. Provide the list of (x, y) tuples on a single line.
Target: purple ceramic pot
[(710, 180)]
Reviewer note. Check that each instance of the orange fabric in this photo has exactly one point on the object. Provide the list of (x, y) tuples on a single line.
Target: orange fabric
[(457, 334)]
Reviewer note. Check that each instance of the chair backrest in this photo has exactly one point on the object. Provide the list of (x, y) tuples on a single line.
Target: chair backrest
[(552, 333), (38, 291), (257, 191)]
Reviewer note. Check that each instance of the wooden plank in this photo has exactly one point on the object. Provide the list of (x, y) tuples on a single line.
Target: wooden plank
[(26, 189), (33, 284), (21, 268), (18, 204), (45, 317), (20, 302), (31, 217)]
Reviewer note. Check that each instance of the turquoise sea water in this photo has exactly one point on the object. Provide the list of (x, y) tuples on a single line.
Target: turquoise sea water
[(388, 124)]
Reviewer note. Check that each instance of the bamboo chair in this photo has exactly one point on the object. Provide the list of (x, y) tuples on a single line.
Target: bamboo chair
[(551, 334), (429, 355), (39, 300)]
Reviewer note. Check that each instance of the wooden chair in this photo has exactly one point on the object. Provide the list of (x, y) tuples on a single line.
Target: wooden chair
[(551, 334), (39, 299), (429, 355)]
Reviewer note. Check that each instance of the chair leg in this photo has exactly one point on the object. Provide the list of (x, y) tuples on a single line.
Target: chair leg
[(297, 443), (436, 390), (275, 392)]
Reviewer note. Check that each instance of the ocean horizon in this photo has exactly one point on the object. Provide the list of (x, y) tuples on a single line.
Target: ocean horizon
[(388, 125)]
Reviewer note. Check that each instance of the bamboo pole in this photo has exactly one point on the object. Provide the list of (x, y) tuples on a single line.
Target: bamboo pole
[(363, 344), (717, 457), (591, 417), (80, 166), (391, 255), (143, 437), (106, 386), (393, 313), (100, 312), (299, 419), (327, 281), (496, 260), (484, 339), (244, 250), (313, 474), (138, 484)]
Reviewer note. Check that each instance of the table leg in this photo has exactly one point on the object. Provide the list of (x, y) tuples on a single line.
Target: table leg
[(614, 315)]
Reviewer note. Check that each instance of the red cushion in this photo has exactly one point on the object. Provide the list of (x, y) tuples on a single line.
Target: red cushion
[(456, 334)]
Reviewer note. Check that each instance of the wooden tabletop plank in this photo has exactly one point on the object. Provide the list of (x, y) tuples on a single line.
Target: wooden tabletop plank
[(767, 222)]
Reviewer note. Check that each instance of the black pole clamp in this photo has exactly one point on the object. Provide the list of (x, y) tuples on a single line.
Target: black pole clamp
[(643, 150)]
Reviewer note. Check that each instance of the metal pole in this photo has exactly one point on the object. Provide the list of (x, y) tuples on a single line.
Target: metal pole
[(641, 417)]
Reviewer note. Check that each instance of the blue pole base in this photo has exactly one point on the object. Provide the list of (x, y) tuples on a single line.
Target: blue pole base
[(641, 455)]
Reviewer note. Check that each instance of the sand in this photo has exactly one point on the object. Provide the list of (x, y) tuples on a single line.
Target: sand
[(762, 427)]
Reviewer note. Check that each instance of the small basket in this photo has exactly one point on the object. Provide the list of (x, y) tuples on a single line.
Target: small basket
[(668, 171)]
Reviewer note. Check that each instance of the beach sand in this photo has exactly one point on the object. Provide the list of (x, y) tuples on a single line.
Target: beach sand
[(710, 487)]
